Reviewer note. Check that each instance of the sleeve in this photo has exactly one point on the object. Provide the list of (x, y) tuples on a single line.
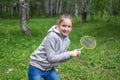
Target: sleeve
[(53, 55)]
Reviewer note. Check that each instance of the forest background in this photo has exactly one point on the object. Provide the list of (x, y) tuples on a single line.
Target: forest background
[(24, 23)]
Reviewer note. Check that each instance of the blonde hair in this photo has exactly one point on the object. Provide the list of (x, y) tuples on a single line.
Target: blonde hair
[(63, 17)]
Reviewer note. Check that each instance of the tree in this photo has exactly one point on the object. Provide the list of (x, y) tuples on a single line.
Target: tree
[(23, 16), (0, 7), (60, 7), (83, 11), (95, 8), (47, 7), (111, 2), (76, 8), (38, 6)]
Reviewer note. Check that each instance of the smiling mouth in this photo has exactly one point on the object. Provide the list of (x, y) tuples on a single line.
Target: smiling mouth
[(65, 32)]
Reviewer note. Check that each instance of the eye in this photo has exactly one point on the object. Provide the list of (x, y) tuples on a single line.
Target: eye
[(64, 25), (69, 26)]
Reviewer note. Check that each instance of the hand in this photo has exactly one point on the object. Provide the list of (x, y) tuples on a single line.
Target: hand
[(75, 52)]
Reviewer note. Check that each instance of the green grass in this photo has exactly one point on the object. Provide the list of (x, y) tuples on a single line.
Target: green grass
[(101, 63)]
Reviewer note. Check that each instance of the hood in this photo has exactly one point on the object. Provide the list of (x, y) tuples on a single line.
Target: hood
[(53, 29)]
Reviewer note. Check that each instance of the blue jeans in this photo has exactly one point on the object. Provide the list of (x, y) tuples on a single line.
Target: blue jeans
[(36, 74)]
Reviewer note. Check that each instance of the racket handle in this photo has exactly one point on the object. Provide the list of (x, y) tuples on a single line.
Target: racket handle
[(82, 47)]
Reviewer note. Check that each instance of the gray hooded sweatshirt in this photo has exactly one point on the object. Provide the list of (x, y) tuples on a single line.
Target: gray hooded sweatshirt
[(51, 51)]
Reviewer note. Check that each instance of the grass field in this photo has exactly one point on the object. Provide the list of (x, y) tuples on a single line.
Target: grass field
[(101, 63)]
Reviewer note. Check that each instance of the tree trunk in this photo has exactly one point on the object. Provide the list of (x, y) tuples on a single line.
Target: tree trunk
[(47, 7), (27, 11), (11, 8), (110, 10), (76, 9), (51, 7), (57, 5), (23, 16), (60, 7), (38, 6), (68, 6), (0, 7), (84, 12), (91, 10)]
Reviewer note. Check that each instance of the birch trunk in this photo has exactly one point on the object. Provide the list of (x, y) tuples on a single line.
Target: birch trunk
[(76, 8), (51, 7), (60, 7), (38, 5), (27, 11), (68, 7), (111, 2), (23, 16), (47, 7), (57, 6), (11, 11)]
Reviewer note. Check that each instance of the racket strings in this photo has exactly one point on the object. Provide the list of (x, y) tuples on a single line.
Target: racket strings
[(88, 42)]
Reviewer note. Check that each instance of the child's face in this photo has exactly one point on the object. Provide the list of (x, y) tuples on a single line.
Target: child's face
[(65, 26)]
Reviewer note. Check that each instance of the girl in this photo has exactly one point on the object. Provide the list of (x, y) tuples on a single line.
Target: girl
[(52, 51)]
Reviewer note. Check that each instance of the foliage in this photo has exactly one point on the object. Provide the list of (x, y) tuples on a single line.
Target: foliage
[(37, 7), (102, 63)]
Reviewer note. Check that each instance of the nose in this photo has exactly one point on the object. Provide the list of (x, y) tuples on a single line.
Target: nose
[(66, 28)]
